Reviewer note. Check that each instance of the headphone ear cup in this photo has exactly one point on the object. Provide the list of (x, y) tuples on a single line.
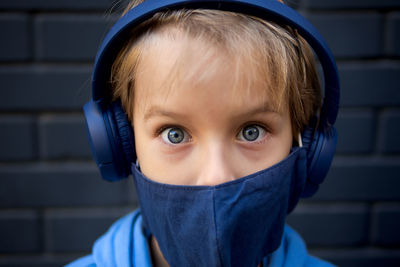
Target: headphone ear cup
[(110, 135), (125, 134), (321, 147)]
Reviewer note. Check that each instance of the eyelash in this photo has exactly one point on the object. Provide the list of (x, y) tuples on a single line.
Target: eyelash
[(160, 130)]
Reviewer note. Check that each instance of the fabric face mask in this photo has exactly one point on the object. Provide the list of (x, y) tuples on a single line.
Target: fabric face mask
[(236, 223)]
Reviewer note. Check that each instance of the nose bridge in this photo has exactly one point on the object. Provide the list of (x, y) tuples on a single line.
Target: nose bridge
[(217, 165)]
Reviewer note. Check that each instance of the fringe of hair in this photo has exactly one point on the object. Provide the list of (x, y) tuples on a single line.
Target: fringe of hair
[(277, 53)]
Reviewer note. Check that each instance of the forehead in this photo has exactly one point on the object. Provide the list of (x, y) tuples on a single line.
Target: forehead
[(176, 64)]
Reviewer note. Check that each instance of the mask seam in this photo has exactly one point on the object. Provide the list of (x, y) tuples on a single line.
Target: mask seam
[(216, 230)]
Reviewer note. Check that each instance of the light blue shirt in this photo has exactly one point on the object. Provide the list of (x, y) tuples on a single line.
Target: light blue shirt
[(125, 245)]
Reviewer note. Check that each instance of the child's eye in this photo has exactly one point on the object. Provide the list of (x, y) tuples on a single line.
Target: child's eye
[(251, 133), (174, 135)]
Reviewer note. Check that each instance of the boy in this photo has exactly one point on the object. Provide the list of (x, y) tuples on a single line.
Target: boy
[(218, 101)]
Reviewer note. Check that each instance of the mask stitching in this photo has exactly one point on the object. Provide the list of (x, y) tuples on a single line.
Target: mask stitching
[(216, 230)]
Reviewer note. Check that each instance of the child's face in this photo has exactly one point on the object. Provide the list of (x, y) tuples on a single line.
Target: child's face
[(207, 128)]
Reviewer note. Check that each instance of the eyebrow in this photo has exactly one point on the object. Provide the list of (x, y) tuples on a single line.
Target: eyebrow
[(159, 111), (265, 108)]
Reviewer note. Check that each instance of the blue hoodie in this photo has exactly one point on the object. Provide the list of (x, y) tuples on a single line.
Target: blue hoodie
[(125, 245)]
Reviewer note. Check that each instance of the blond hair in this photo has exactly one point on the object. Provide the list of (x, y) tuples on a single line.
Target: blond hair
[(281, 55)]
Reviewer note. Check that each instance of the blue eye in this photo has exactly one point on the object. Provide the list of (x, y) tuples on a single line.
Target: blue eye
[(251, 133), (174, 135)]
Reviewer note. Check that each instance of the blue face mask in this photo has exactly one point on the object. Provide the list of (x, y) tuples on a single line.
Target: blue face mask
[(236, 223)]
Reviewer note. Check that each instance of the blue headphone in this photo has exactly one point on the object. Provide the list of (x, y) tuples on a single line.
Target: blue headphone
[(110, 133)]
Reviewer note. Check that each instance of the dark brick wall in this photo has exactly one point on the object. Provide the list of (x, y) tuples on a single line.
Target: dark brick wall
[(53, 204)]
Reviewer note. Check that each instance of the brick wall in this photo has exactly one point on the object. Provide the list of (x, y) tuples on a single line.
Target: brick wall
[(53, 205)]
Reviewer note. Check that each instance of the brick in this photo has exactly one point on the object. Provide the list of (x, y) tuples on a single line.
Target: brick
[(363, 257), (17, 138), (334, 4), (44, 88), (385, 227), (63, 136), (356, 130), (60, 184), (71, 230), (69, 37), (393, 34), (19, 231), (56, 5), (361, 179), (331, 225), (369, 84), (15, 43), (36, 260), (351, 35), (390, 131)]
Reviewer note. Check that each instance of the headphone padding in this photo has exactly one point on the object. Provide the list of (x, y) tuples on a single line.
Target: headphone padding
[(321, 147), (125, 132)]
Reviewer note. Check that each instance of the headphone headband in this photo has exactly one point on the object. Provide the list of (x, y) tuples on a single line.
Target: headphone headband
[(271, 10)]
